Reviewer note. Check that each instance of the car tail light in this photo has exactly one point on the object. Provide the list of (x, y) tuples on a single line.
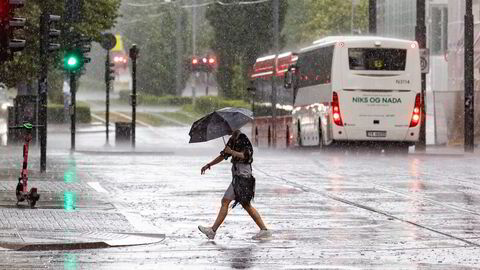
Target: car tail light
[(416, 112), (337, 117)]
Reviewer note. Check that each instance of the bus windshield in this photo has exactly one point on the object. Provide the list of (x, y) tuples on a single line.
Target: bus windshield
[(377, 59)]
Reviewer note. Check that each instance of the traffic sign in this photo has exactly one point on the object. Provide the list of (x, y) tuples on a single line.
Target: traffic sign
[(424, 60), (108, 41)]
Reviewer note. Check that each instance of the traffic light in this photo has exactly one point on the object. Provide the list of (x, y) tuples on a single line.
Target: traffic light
[(48, 33), (75, 56), (206, 63), (73, 60), (83, 45), (109, 71), (8, 24), (211, 64)]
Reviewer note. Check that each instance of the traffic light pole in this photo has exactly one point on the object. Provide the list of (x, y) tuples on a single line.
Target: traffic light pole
[(46, 35), (206, 88), (134, 99), (73, 92), (43, 89), (372, 17), (420, 36), (133, 55), (469, 83), (107, 86), (274, 87)]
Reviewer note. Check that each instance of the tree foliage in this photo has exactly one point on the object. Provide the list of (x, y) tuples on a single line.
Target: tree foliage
[(97, 17), (308, 20), (155, 32), (241, 34)]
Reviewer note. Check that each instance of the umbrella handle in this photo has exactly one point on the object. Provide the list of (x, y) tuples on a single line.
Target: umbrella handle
[(223, 138)]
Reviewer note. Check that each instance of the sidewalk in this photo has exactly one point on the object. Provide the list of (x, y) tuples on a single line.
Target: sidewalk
[(74, 210)]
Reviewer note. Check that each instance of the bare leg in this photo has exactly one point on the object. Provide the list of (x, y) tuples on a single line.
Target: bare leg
[(222, 214), (255, 215)]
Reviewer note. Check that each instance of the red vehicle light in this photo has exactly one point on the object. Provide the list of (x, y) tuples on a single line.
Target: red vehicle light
[(337, 117), (416, 112)]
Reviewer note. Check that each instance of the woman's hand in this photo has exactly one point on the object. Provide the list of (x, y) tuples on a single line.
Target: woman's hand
[(228, 150), (204, 168)]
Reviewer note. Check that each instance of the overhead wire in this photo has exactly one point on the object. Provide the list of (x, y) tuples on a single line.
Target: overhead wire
[(253, 2)]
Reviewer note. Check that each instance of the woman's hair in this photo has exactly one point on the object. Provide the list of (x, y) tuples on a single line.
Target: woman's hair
[(235, 133)]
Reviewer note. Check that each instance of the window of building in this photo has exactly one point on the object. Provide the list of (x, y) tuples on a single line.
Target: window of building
[(438, 29)]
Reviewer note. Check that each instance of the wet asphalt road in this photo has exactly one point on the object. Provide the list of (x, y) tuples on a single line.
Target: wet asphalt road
[(326, 210)]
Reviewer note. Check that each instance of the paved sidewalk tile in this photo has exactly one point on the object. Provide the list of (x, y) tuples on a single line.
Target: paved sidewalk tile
[(70, 214)]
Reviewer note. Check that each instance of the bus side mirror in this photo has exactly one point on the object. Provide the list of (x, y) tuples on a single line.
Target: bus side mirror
[(288, 79)]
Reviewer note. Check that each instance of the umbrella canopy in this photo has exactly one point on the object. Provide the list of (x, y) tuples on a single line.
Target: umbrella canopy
[(219, 123)]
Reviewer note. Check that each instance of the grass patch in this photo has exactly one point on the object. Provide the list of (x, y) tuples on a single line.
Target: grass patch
[(180, 117), (153, 120), (113, 117)]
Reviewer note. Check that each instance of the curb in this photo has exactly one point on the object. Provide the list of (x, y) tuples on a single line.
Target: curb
[(132, 239), (53, 246), (113, 152)]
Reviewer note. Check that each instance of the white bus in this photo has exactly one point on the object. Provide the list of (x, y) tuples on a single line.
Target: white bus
[(353, 89)]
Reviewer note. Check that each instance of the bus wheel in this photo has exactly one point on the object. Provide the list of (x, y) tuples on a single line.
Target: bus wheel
[(320, 139)]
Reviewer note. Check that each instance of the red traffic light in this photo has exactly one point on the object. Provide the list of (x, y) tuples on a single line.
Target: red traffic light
[(203, 63), (4, 10)]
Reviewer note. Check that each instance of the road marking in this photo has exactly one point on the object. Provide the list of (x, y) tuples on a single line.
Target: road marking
[(365, 207), (150, 127), (97, 187), (98, 118)]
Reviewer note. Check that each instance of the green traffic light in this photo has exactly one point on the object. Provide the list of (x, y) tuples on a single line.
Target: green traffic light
[(73, 61)]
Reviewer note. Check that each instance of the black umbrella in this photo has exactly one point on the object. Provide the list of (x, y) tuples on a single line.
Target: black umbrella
[(219, 123)]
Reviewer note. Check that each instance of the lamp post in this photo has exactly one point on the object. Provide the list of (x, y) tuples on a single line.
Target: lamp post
[(134, 55), (108, 42), (274, 87), (372, 17), (420, 36), (469, 94)]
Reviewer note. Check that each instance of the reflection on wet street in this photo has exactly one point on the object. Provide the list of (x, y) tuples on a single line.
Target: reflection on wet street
[(325, 210)]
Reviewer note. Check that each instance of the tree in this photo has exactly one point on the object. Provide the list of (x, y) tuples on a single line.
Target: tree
[(24, 68), (155, 33), (241, 34), (309, 20)]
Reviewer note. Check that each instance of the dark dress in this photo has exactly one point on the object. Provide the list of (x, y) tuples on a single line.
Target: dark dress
[(243, 182)]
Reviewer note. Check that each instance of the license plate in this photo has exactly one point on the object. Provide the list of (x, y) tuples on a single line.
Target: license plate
[(376, 133)]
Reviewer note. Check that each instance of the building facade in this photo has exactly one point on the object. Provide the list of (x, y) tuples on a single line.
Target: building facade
[(398, 19)]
